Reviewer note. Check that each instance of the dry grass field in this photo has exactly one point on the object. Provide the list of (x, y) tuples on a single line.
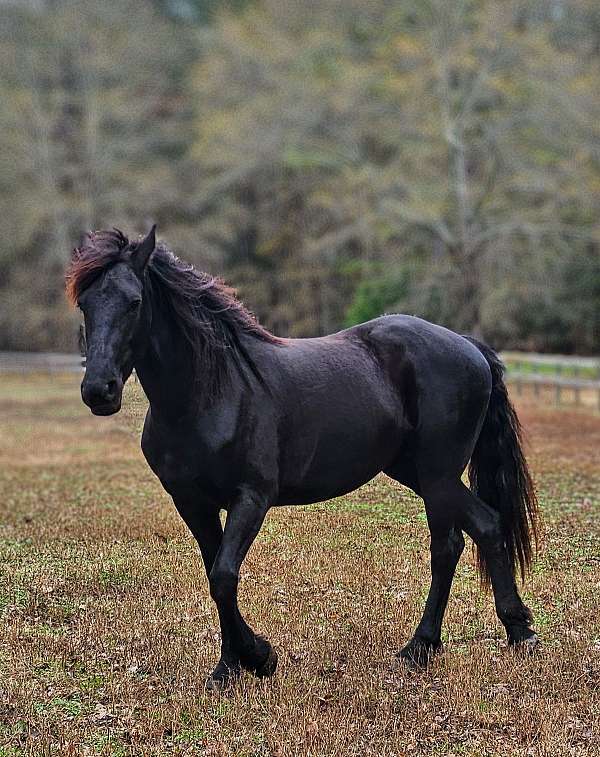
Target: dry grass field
[(108, 631)]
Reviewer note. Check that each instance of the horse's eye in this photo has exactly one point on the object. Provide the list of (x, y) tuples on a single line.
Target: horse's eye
[(133, 306)]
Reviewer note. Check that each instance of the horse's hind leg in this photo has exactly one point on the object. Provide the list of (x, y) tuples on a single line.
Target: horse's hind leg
[(483, 525), (446, 547)]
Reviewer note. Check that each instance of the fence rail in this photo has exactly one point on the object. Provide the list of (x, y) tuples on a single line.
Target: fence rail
[(537, 362), (44, 362), (539, 372)]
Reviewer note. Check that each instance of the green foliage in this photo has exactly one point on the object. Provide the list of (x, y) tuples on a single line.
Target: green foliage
[(447, 151), (95, 136), (196, 11), (377, 295)]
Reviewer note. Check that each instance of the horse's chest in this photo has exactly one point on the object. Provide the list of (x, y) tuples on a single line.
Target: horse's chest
[(186, 466), (175, 467)]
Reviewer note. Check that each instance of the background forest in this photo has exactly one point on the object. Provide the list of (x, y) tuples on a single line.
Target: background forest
[(334, 159)]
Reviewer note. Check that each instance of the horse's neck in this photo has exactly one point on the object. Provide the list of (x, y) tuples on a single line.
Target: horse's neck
[(165, 370), (166, 373)]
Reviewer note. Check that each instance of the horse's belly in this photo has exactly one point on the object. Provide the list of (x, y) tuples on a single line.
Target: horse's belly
[(316, 490), (337, 464)]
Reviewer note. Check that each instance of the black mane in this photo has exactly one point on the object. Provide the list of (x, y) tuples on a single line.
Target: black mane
[(204, 309)]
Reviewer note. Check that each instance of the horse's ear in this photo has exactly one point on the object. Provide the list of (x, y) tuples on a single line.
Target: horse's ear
[(143, 252)]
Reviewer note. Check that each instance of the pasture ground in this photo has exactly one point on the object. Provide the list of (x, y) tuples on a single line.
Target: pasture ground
[(108, 632)]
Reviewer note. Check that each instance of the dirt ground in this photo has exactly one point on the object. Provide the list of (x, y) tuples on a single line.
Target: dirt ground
[(108, 631)]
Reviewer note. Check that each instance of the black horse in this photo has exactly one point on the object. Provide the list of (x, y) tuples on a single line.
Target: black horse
[(242, 420)]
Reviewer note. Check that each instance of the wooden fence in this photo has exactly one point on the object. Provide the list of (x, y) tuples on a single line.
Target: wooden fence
[(40, 362), (567, 378)]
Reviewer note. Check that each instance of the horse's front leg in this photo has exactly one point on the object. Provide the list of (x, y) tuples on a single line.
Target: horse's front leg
[(240, 646), (208, 532)]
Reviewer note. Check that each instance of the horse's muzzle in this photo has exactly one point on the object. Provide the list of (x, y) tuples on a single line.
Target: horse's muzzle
[(102, 395)]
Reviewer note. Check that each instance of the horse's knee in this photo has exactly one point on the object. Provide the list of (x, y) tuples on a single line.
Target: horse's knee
[(223, 584)]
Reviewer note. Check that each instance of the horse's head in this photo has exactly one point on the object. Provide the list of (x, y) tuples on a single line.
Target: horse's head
[(107, 282)]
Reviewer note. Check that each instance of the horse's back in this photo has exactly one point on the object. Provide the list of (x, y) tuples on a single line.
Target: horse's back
[(401, 363), (436, 354)]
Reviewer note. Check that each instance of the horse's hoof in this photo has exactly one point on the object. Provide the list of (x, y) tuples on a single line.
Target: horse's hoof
[(216, 685), (418, 653), (262, 660), (268, 667), (221, 679), (526, 646)]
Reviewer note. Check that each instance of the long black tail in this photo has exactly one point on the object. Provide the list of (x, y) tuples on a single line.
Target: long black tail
[(499, 475)]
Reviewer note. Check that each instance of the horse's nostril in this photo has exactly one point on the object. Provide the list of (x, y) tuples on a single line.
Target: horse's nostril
[(111, 387)]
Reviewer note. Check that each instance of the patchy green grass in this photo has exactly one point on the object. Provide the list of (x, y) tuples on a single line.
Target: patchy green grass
[(108, 632)]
